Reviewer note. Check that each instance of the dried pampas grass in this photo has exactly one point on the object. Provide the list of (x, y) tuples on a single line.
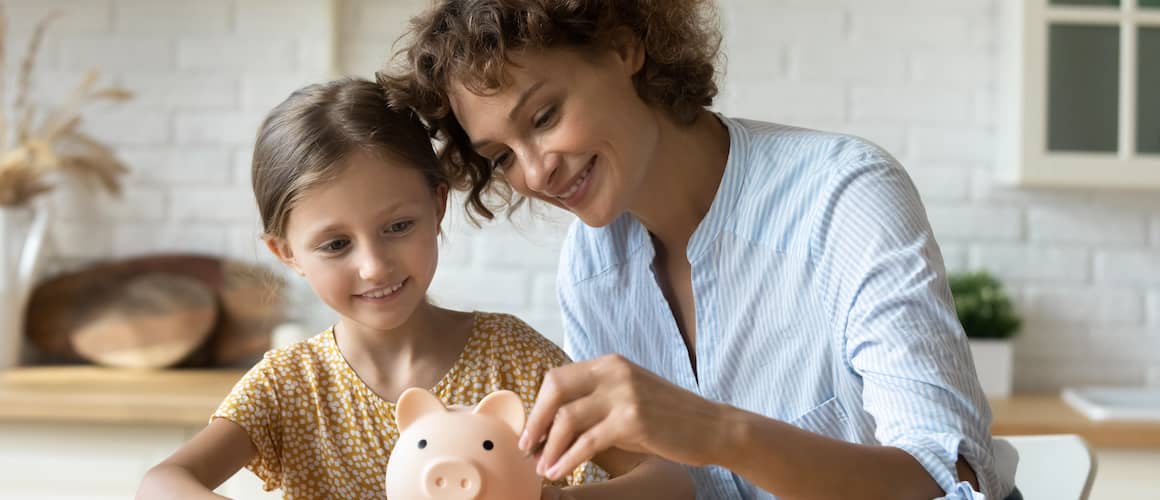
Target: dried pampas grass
[(33, 152)]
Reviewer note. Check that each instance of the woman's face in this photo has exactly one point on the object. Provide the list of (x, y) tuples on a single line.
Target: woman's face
[(568, 128)]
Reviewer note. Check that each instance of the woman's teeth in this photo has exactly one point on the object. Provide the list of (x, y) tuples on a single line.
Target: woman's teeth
[(382, 292), (576, 186)]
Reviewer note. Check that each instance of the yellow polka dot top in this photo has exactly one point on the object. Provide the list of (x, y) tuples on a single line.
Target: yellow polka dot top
[(322, 433)]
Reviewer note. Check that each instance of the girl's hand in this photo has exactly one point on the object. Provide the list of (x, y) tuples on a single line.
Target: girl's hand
[(588, 407), (554, 493)]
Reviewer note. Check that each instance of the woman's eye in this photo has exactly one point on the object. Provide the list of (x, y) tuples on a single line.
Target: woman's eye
[(399, 227), (334, 246), (500, 161), (544, 118)]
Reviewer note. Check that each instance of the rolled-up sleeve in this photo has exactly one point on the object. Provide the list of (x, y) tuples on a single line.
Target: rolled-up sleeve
[(886, 286)]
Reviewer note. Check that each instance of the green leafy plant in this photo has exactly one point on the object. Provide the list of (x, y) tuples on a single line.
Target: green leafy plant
[(984, 308)]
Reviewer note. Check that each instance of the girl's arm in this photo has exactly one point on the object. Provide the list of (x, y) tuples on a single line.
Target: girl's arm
[(202, 464)]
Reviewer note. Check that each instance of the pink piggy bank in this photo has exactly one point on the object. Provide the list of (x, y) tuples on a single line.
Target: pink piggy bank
[(460, 453)]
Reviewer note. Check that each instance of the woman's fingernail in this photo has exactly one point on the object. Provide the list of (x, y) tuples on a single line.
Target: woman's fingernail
[(523, 444), (553, 473)]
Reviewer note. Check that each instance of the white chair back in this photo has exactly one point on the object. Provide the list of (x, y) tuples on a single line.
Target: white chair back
[(1053, 466)]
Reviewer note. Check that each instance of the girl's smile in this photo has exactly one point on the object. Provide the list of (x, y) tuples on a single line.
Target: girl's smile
[(384, 294)]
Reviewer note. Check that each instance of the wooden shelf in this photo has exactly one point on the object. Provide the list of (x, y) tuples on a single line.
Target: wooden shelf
[(1048, 414), (89, 394)]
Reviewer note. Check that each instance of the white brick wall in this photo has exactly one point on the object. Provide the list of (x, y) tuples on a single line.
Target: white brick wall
[(1087, 223), (1019, 262), (204, 75), (1114, 307), (1128, 267), (1154, 309), (975, 223), (167, 18), (915, 76)]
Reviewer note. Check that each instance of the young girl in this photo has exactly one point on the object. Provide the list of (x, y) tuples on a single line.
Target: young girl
[(351, 197)]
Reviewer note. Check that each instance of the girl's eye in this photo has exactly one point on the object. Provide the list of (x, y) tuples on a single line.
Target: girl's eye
[(334, 246), (399, 227), (545, 117)]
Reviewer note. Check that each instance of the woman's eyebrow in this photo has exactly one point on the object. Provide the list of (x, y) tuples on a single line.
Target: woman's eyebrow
[(524, 98), (520, 101)]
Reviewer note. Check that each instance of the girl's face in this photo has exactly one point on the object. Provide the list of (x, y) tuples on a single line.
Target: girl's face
[(367, 241), (568, 129)]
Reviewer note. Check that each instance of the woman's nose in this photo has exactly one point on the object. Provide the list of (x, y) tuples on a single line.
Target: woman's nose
[(541, 170)]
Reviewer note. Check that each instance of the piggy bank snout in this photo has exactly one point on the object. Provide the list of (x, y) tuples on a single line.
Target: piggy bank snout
[(452, 479)]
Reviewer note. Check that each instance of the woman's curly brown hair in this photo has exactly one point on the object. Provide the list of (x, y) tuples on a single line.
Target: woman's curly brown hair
[(470, 41)]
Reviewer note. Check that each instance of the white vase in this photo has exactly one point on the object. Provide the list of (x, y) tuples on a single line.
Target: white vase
[(993, 361), (22, 232)]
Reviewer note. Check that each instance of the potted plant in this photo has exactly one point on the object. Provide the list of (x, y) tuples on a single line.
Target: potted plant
[(990, 321), (37, 147)]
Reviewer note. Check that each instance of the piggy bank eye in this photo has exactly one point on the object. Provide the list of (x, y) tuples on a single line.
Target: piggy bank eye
[(488, 445), (422, 443)]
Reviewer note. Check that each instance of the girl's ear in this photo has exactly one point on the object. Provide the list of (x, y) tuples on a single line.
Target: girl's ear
[(281, 249)]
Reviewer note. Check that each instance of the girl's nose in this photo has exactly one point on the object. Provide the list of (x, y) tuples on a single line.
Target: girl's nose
[(373, 265)]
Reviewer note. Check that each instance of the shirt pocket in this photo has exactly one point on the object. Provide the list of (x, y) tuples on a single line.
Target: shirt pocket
[(828, 419)]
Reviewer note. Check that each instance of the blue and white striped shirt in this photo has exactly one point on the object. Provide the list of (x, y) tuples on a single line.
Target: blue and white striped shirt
[(821, 300)]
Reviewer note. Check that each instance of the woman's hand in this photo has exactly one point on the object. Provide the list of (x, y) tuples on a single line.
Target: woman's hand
[(585, 408)]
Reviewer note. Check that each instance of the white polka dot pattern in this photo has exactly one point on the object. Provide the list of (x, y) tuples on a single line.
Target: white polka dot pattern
[(321, 432)]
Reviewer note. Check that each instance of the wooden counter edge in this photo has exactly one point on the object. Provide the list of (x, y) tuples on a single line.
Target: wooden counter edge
[(89, 394), (1048, 414)]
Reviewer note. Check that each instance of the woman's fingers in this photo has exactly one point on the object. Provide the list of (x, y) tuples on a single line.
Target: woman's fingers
[(561, 386), (572, 420), (596, 439), (588, 407)]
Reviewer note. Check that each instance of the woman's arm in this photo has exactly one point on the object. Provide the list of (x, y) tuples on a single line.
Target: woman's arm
[(786, 460), (202, 464), (591, 406)]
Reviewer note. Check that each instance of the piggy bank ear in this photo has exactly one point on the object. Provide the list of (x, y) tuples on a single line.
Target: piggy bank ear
[(506, 406), (415, 403)]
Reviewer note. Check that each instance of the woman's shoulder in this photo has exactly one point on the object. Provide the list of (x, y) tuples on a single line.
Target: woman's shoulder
[(782, 139)]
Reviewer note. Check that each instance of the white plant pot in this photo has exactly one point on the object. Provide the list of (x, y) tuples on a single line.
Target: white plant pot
[(993, 362), (22, 231)]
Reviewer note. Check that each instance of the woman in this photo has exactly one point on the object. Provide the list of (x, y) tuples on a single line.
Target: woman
[(764, 303)]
